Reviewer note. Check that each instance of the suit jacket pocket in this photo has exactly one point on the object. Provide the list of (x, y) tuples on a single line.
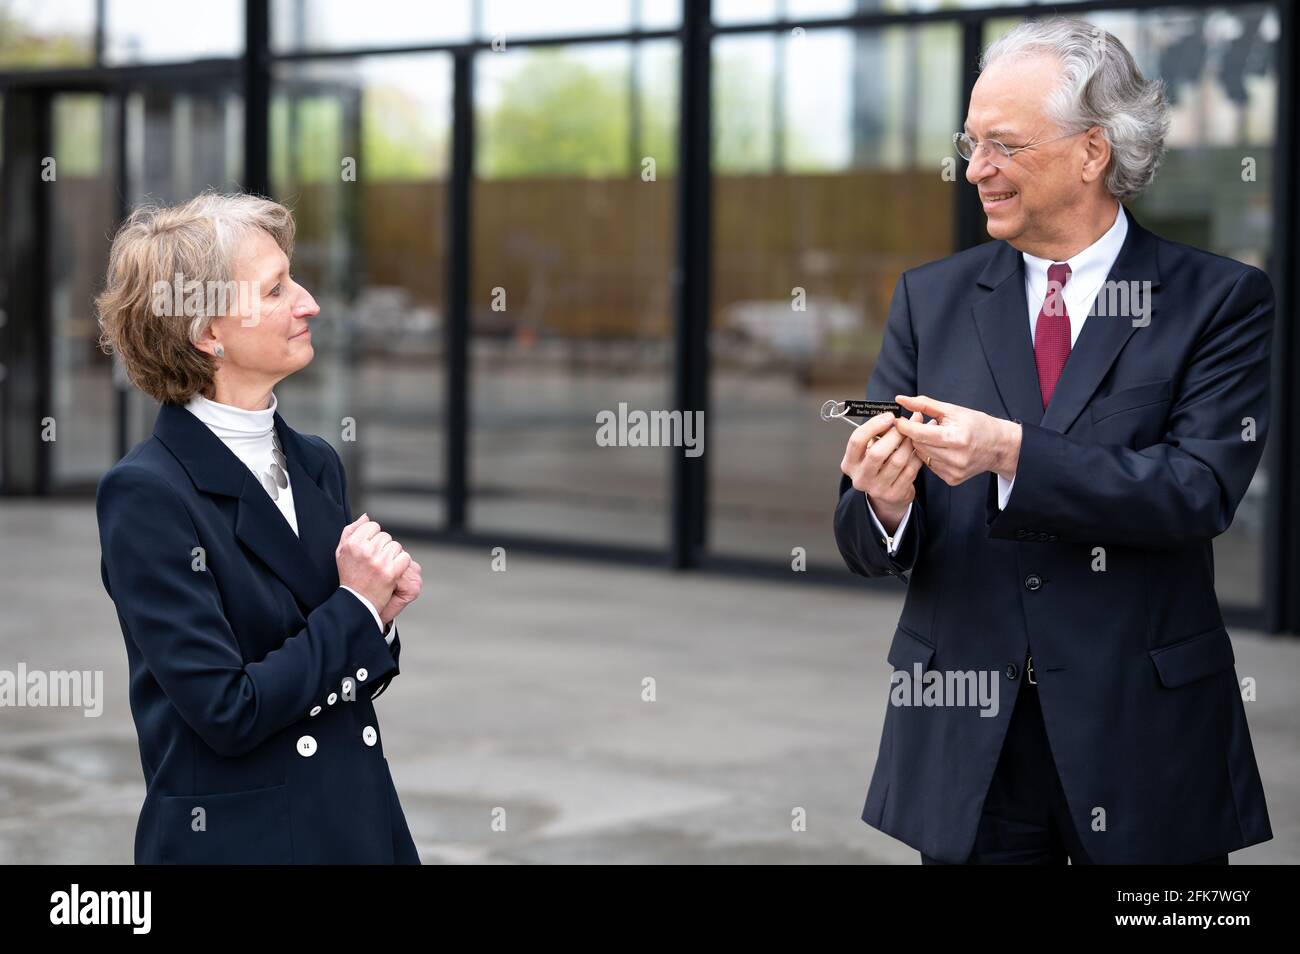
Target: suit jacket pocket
[(1134, 417), (908, 648), (1129, 399), (248, 828), (1193, 658)]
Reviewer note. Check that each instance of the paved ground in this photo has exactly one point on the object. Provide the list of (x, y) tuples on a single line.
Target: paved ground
[(523, 689)]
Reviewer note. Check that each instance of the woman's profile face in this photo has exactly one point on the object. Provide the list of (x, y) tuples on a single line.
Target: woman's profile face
[(266, 330)]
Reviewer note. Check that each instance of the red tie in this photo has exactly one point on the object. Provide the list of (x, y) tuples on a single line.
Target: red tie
[(1052, 332)]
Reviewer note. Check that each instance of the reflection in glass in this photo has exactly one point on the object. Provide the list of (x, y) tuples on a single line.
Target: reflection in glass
[(527, 18), (180, 140), (359, 151), (754, 11), (827, 185), (83, 210), (163, 31), (4, 300), (335, 24), (570, 293), (46, 33), (304, 25)]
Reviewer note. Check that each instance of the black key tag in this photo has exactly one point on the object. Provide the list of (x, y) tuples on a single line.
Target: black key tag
[(864, 409)]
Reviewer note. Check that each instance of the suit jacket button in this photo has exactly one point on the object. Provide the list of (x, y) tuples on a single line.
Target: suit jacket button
[(1012, 671), (332, 698), (347, 687), (362, 673), (1033, 582), (369, 735), (315, 710), (306, 746)]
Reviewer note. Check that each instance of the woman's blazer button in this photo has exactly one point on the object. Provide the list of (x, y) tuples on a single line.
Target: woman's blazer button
[(369, 735), (315, 710), (332, 698), (347, 687), (362, 673), (306, 746)]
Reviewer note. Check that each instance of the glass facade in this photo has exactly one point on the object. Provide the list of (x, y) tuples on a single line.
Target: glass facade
[(46, 34), (573, 202), (179, 139), (80, 428), (162, 31), (825, 188), (733, 12), (319, 25), (825, 143), (359, 150)]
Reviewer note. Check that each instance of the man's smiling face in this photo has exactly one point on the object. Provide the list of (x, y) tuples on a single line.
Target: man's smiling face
[(1027, 200)]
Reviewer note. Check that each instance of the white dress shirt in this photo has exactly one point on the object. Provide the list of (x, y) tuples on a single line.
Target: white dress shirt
[(248, 434), (1088, 272)]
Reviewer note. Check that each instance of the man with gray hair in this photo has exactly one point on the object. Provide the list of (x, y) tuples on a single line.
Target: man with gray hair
[(1088, 405)]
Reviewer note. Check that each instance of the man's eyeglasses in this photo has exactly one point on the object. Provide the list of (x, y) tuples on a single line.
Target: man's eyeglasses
[(998, 154)]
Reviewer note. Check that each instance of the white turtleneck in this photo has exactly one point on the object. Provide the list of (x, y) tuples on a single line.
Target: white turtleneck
[(248, 434)]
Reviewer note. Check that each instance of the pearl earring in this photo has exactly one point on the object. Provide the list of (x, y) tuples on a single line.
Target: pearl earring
[(221, 352)]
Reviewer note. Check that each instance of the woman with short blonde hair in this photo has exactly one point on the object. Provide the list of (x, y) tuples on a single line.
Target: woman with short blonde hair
[(257, 613)]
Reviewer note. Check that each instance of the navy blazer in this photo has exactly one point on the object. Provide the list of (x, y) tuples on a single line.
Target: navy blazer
[(1141, 458), (252, 671)]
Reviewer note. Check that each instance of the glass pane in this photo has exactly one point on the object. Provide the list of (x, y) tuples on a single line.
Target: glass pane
[(339, 24), (570, 291), (758, 11), (180, 140), (826, 187), (4, 300), (47, 33), (83, 207), (528, 18), (359, 150), (162, 31), (1214, 189)]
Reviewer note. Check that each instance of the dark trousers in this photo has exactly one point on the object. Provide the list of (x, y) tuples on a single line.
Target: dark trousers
[(1025, 819)]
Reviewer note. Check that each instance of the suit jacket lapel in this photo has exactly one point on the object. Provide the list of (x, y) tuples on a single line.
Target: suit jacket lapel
[(1001, 319), (320, 519), (1104, 334), (259, 524)]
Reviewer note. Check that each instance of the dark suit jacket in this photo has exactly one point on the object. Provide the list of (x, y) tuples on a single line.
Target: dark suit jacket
[(1140, 453), (244, 655)]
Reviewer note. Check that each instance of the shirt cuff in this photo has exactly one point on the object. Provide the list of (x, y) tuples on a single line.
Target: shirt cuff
[(1004, 491), (373, 612), (891, 543)]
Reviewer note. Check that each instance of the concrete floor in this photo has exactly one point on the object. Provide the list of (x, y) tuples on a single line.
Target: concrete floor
[(522, 690)]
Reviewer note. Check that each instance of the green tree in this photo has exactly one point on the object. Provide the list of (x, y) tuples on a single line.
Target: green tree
[(556, 116)]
